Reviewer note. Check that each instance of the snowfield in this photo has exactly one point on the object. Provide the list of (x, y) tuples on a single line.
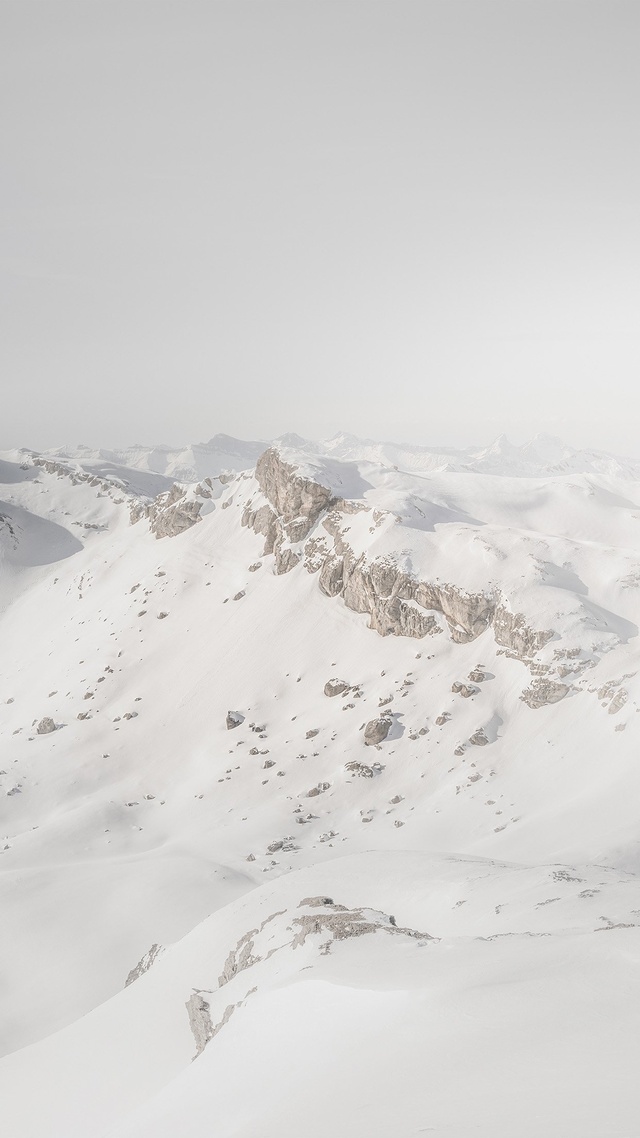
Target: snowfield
[(319, 791)]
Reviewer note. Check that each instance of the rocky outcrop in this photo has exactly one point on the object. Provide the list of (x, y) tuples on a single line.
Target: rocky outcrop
[(199, 1012), (170, 513), (144, 964), (397, 603), (512, 631), (376, 730), (339, 923), (234, 719), (544, 692)]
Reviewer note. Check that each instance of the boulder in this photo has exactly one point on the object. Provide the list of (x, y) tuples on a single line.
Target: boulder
[(376, 731), (46, 726), (234, 719), (336, 687)]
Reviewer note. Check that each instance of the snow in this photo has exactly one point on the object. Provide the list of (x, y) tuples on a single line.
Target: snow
[(116, 833)]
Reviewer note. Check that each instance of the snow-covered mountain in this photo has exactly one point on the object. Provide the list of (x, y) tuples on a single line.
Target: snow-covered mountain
[(544, 455), (330, 750)]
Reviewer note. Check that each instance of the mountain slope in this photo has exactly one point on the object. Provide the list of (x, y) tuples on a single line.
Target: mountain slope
[(213, 657)]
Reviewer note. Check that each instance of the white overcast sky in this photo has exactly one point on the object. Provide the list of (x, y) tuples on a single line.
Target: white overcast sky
[(412, 221)]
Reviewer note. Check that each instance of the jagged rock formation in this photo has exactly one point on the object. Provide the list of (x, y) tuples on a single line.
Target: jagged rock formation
[(296, 503), (397, 603), (173, 512)]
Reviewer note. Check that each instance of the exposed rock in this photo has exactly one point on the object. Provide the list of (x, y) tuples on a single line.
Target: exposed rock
[(618, 701), (234, 719), (262, 521), (286, 558), (479, 739), (341, 923), (336, 687), (331, 579), (200, 1023), (396, 602), (318, 903), (144, 964), (312, 733), (46, 726), (376, 730), (239, 958), (544, 692), (511, 631), (477, 676), (360, 769), (170, 513), (319, 789), (297, 501)]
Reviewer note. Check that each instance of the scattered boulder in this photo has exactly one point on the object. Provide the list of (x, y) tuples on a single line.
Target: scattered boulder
[(376, 731), (319, 789), (479, 739), (477, 676), (46, 726), (463, 689), (336, 687), (544, 692)]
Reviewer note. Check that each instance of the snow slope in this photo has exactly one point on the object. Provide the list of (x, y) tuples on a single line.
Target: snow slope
[(505, 827)]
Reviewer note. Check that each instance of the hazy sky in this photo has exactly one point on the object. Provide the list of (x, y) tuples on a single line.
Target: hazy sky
[(416, 221)]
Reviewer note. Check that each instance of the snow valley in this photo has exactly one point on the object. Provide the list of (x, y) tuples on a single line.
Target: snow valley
[(319, 791)]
